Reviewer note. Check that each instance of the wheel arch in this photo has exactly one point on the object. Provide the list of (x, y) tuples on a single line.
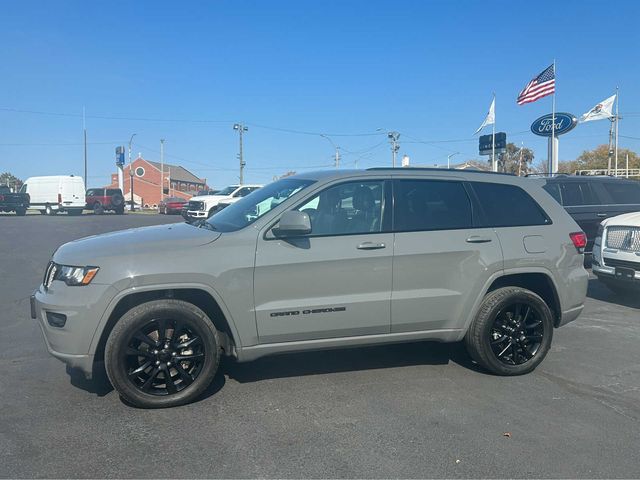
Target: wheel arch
[(538, 282), (199, 297)]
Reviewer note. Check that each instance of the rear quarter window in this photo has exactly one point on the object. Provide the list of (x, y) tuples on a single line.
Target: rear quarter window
[(622, 192), (577, 193), (508, 206)]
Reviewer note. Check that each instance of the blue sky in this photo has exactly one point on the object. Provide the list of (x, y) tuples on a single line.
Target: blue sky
[(426, 69)]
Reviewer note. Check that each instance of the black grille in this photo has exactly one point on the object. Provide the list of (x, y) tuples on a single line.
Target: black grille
[(196, 205), (612, 262)]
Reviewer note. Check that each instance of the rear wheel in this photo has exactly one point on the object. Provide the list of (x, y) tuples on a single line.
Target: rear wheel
[(48, 210), (120, 210), (162, 353), (512, 331), (21, 212), (98, 209)]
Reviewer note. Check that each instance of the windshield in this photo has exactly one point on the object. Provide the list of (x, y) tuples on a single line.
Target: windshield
[(228, 191), (248, 209)]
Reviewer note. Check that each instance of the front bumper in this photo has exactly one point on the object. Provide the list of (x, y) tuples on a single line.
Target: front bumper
[(83, 308), (607, 273), (191, 215)]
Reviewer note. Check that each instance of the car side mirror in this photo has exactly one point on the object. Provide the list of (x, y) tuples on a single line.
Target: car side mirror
[(293, 223)]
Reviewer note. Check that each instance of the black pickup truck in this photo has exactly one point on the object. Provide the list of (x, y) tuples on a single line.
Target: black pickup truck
[(13, 202)]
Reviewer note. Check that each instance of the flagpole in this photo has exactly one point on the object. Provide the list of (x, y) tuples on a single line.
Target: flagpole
[(552, 149), (617, 120), (494, 166)]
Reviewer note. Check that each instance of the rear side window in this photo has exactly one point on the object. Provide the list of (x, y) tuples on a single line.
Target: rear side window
[(113, 191), (622, 192), (577, 193), (430, 205), (508, 206), (92, 192), (554, 190)]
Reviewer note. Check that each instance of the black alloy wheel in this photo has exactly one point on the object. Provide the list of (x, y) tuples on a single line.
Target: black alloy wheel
[(517, 333), (164, 356)]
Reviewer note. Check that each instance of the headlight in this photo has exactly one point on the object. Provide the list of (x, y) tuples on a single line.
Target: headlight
[(72, 276)]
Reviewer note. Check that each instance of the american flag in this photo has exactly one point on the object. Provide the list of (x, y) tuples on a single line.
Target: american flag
[(541, 86)]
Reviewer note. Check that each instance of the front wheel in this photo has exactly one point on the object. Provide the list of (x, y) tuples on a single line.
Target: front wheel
[(162, 353), (512, 331)]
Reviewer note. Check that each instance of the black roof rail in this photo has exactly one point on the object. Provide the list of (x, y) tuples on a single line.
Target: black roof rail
[(432, 169), (559, 174)]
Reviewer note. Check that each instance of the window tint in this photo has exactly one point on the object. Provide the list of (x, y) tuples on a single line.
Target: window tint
[(23, 189), (91, 192), (508, 206), (554, 190), (348, 208), (243, 192), (430, 205), (622, 192), (113, 191), (577, 193)]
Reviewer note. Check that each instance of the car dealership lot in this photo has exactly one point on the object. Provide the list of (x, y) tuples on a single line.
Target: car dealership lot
[(414, 410)]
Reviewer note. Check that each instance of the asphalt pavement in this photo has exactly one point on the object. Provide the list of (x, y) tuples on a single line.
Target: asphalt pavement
[(412, 410)]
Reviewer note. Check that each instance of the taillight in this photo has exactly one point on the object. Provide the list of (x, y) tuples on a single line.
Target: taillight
[(579, 240), (59, 198)]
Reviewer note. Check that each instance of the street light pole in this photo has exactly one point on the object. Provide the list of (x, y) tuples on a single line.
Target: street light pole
[(131, 170), (449, 158), (241, 128), (395, 146), (336, 162)]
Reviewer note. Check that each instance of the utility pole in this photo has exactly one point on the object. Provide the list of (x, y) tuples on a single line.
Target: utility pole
[(449, 158), (131, 170), (617, 122), (395, 146), (610, 145), (336, 161), (161, 169), (84, 129), (241, 128)]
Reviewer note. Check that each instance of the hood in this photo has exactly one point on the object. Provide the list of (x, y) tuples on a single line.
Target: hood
[(625, 220), (139, 242)]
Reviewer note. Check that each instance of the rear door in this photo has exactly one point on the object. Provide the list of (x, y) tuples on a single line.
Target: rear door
[(336, 281), (620, 196), (442, 257)]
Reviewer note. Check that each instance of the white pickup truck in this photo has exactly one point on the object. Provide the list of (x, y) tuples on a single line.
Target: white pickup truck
[(201, 208), (616, 253)]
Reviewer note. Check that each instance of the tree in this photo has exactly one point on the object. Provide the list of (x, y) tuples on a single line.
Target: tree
[(10, 180), (598, 159), (515, 160)]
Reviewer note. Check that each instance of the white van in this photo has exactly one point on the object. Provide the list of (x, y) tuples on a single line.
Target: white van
[(56, 193)]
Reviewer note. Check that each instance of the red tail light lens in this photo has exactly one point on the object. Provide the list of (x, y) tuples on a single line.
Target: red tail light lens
[(579, 240)]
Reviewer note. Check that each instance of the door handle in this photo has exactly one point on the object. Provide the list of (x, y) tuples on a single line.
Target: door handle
[(478, 239), (370, 246), (601, 214)]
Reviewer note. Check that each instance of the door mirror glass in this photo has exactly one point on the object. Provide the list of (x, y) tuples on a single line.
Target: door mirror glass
[(293, 223)]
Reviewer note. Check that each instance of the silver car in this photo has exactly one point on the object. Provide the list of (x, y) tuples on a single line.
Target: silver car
[(314, 261)]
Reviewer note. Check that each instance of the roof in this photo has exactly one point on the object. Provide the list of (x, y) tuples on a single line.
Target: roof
[(178, 173)]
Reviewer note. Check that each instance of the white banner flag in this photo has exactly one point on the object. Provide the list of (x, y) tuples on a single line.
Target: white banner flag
[(601, 111), (491, 116)]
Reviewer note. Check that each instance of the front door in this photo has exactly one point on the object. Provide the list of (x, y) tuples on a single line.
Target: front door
[(335, 281)]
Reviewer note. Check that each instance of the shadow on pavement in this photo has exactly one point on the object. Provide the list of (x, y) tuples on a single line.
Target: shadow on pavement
[(598, 291)]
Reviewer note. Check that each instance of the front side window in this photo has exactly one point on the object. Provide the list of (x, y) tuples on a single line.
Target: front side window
[(248, 209), (346, 209), (243, 192), (623, 193), (508, 206), (23, 189), (228, 190), (430, 205)]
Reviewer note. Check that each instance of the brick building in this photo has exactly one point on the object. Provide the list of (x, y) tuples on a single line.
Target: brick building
[(178, 182)]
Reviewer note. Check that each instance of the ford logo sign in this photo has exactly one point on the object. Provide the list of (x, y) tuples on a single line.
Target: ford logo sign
[(564, 123)]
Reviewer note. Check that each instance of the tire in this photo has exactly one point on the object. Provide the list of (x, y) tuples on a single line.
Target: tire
[(147, 388), (49, 211), (500, 323), (21, 212), (120, 210), (74, 213), (117, 200), (98, 209)]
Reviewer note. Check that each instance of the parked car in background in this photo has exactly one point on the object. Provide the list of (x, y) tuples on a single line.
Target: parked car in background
[(616, 253), (201, 208), (591, 199), (56, 193), (171, 205), (319, 260), (102, 199), (13, 202)]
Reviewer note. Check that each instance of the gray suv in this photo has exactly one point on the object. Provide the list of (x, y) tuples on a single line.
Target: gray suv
[(314, 261)]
